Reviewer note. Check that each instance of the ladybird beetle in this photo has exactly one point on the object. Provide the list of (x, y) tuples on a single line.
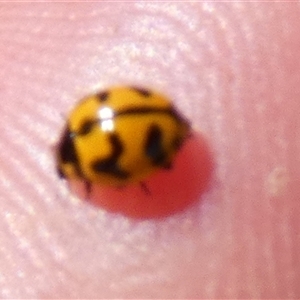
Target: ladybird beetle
[(120, 136)]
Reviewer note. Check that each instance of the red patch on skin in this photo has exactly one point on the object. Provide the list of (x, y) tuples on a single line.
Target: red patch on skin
[(171, 190)]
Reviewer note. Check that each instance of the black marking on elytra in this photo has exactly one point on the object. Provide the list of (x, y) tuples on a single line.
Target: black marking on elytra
[(86, 127), (67, 152), (141, 91), (102, 96), (154, 146), (147, 110), (110, 165), (143, 110)]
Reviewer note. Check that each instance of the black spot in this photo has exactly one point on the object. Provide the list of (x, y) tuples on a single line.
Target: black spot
[(67, 152), (86, 127), (154, 147), (143, 92), (103, 96), (110, 165)]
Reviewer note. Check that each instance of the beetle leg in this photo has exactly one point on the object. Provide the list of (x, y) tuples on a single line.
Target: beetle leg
[(88, 189), (145, 188)]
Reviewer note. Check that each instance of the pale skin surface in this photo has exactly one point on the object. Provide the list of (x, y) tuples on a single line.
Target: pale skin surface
[(233, 69)]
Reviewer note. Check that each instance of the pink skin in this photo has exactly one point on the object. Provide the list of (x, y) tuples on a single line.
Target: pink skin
[(233, 69)]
